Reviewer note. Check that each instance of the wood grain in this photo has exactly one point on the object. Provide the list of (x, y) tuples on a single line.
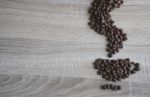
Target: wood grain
[(45, 44), (45, 86)]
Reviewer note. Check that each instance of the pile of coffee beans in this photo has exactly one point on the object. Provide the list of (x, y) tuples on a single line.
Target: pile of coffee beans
[(111, 87), (101, 22), (115, 70)]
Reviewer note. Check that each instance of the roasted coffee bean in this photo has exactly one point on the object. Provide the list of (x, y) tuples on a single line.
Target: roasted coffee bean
[(118, 87), (127, 59), (109, 78), (120, 45), (132, 72), (107, 86), (106, 77), (137, 68), (99, 72), (124, 38), (97, 63), (103, 87), (89, 23), (110, 55), (114, 80), (118, 79), (110, 86), (137, 65), (96, 66), (132, 62), (113, 88), (103, 76), (113, 61), (104, 73)]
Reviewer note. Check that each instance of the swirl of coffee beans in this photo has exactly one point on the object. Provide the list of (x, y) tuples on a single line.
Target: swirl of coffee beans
[(101, 22)]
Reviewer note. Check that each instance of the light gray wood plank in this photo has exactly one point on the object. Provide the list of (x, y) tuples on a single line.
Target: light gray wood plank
[(66, 21), (45, 37), (51, 37), (22, 56), (46, 86)]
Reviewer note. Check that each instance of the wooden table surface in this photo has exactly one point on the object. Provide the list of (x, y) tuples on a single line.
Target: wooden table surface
[(47, 49)]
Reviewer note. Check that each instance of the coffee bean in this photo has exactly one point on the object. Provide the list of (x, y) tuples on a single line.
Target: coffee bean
[(121, 2), (132, 62), (137, 65), (118, 87), (118, 79), (114, 80), (120, 45), (103, 76), (127, 59), (109, 55), (113, 61), (107, 86), (89, 23), (110, 86), (97, 63), (132, 72), (103, 87), (99, 72), (114, 88), (124, 38), (137, 68)]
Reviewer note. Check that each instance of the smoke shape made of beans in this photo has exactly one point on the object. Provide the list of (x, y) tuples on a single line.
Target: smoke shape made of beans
[(101, 22)]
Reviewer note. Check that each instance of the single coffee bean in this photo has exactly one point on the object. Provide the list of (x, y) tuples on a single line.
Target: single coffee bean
[(99, 72), (107, 86), (89, 23), (114, 88), (137, 65), (118, 79), (118, 87), (111, 86), (97, 63), (124, 38), (132, 72), (103, 87), (127, 59), (114, 80), (109, 55), (137, 68), (132, 62)]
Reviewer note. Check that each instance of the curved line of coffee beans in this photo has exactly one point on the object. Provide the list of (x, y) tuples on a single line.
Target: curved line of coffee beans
[(101, 22)]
